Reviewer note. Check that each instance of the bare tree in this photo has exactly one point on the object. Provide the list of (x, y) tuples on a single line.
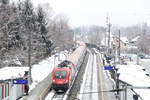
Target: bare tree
[(93, 33), (143, 44), (97, 33), (61, 33)]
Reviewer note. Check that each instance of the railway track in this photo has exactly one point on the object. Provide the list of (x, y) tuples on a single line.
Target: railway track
[(58, 96), (53, 95), (68, 94), (89, 83), (73, 92)]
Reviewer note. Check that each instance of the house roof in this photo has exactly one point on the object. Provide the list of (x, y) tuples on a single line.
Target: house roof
[(135, 39), (124, 39)]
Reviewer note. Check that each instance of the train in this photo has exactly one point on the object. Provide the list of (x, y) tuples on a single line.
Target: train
[(64, 73)]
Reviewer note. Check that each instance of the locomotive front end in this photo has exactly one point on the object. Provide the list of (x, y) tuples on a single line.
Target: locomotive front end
[(60, 79)]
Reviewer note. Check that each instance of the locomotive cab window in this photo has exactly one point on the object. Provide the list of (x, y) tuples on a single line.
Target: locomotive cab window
[(60, 74)]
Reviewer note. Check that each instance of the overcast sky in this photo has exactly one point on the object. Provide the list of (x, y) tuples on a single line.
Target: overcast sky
[(87, 12)]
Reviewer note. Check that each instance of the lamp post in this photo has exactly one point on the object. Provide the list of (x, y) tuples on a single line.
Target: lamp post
[(56, 55), (117, 84), (137, 61), (55, 58), (29, 26), (119, 48)]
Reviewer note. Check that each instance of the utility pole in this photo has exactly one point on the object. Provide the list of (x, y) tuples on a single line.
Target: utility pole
[(29, 26), (74, 36), (109, 35), (119, 48), (108, 30), (117, 84), (29, 59), (125, 91), (137, 60)]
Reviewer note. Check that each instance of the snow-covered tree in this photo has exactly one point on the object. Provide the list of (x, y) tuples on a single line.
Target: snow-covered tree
[(43, 31), (4, 1), (9, 36), (21, 20)]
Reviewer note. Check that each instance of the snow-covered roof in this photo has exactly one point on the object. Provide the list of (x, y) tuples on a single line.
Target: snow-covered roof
[(124, 39), (134, 75), (135, 39), (132, 70), (12, 72)]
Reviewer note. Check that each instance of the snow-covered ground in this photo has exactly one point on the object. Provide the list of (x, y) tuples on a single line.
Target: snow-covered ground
[(131, 73), (145, 63), (89, 86), (41, 70), (38, 71), (50, 95)]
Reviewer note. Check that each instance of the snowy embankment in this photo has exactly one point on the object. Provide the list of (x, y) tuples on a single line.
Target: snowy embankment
[(41, 70), (38, 71), (134, 75)]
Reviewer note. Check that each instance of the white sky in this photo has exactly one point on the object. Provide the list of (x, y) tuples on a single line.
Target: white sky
[(86, 12)]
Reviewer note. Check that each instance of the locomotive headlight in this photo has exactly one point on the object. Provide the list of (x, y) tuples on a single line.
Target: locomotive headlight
[(66, 81)]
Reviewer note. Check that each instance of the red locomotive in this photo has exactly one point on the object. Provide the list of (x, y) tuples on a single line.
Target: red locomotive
[(64, 73)]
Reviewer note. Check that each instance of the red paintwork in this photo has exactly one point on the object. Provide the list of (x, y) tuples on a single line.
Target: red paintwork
[(63, 81), (74, 58), (1, 91)]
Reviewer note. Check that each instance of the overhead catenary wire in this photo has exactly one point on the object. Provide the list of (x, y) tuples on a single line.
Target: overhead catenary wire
[(71, 94), (115, 90)]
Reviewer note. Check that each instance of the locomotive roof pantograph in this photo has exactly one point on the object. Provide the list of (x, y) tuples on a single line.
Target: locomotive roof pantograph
[(65, 63)]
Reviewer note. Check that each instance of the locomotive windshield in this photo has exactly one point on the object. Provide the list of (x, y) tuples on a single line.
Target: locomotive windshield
[(60, 74)]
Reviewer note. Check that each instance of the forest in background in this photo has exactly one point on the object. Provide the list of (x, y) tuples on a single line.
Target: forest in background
[(50, 33), (23, 26)]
